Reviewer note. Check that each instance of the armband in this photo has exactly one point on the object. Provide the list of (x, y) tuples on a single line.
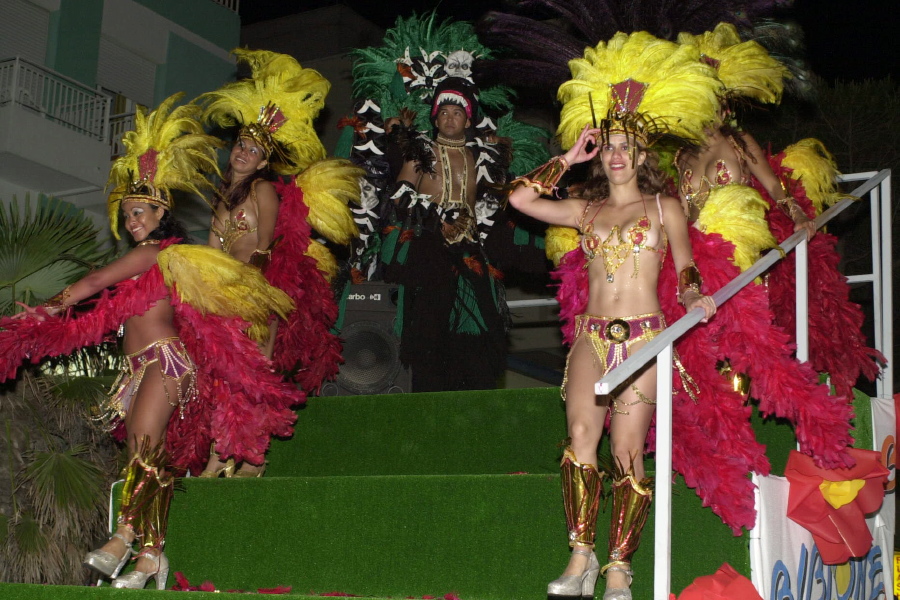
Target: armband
[(261, 259), (689, 280), (544, 179)]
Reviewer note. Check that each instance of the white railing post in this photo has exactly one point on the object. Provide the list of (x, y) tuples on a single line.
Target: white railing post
[(801, 308), (885, 384), (662, 540)]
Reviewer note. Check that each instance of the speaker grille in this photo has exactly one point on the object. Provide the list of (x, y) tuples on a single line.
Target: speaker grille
[(371, 358)]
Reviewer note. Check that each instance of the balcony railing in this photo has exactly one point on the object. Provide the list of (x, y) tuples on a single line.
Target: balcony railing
[(118, 125), (232, 4), (55, 97)]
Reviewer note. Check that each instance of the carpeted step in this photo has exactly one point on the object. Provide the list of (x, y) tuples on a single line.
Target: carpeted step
[(473, 432), (480, 537)]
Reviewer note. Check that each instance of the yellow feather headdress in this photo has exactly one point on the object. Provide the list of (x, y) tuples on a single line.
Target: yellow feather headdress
[(167, 150), (745, 68), (640, 85), (275, 107)]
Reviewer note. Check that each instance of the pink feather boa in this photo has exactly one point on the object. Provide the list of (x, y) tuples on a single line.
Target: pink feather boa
[(304, 346)]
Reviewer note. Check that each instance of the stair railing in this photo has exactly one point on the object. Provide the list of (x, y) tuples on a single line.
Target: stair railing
[(660, 348)]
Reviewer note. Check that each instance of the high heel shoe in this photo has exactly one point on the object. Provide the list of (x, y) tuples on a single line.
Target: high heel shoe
[(136, 580), (577, 585), (227, 469), (108, 564), (619, 593), (242, 473)]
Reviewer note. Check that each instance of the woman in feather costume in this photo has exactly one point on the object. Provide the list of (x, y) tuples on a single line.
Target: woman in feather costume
[(268, 223), (626, 229), (183, 311)]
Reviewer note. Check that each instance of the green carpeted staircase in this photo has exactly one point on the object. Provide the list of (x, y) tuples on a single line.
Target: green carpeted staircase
[(408, 496)]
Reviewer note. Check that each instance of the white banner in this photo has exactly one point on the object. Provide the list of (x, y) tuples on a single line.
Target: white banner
[(785, 563)]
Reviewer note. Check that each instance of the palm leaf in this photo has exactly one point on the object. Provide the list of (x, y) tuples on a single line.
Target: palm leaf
[(44, 246)]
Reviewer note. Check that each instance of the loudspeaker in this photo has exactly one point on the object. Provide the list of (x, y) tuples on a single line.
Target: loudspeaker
[(371, 350)]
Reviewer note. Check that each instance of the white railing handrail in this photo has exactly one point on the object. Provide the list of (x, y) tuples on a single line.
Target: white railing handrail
[(234, 5), (661, 348), (649, 351), (55, 97), (49, 72)]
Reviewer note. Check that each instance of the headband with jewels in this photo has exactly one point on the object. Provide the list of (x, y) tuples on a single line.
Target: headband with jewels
[(745, 68), (166, 151), (457, 91), (275, 107), (641, 86)]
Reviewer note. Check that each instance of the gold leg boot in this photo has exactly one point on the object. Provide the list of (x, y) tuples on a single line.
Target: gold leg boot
[(146, 497), (630, 507), (582, 485)]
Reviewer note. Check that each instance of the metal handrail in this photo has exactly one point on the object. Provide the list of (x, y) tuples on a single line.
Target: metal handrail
[(660, 348)]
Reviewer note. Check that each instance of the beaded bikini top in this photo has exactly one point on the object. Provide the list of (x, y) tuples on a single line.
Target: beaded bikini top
[(616, 247)]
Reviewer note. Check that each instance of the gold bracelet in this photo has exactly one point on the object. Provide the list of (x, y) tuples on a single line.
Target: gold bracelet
[(689, 280), (544, 179), (60, 300)]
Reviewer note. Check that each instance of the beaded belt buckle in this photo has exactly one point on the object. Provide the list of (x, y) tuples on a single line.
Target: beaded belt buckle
[(618, 331)]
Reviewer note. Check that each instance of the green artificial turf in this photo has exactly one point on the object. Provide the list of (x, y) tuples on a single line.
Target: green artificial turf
[(412, 495)]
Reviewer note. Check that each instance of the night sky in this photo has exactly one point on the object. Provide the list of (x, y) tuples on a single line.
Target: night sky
[(845, 39)]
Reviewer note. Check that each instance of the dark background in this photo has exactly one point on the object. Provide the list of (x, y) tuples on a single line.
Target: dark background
[(845, 39)]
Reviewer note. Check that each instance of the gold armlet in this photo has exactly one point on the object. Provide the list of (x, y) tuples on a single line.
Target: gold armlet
[(544, 179), (261, 259), (60, 301), (689, 280)]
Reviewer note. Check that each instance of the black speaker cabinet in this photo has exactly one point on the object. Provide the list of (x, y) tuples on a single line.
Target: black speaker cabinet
[(371, 350)]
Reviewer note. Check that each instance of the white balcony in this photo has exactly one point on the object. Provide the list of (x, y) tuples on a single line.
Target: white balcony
[(54, 131)]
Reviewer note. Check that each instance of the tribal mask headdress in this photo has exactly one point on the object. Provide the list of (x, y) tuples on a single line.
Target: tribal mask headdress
[(275, 108), (745, 68), (166, 151), (641, 86)]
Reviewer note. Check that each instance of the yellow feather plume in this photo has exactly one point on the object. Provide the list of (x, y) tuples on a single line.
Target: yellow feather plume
[(559, 241), (814, 166), (738, 213), (745, 68), (167, 150), (297, 92), (214, 282), (680, 96), (328, 186), (325, 260)]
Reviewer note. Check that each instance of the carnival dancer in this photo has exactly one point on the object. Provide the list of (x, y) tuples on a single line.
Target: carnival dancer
[(730, 188), (168, 382), (453, 311), (269, 223), (626, 227)]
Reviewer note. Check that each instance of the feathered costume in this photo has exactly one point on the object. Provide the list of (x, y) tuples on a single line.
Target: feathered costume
[(542, 36), (714, 445), (221, 305), (276, 106), (452, 312), (400, 75)]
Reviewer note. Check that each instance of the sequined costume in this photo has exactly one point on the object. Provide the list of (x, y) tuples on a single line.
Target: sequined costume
[(174, 364)]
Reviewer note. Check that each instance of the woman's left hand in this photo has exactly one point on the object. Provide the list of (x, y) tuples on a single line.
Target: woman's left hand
[(704, 302), (34, 312), (806, 225)]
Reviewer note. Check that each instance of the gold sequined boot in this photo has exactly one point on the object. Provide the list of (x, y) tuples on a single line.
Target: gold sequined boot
[(630, 507), (146, 497), (582, 485)]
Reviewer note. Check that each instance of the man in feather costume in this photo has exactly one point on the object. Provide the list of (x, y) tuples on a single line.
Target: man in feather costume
[(190, 317), (272, 223), (440, 231)]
